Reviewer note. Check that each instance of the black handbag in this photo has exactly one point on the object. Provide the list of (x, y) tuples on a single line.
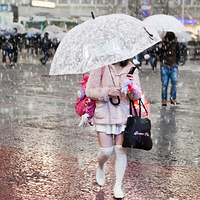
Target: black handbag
[(138, 130)]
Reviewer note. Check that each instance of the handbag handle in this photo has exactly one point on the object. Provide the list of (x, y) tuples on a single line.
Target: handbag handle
[(117, 103), (118, 99), (140, 102)]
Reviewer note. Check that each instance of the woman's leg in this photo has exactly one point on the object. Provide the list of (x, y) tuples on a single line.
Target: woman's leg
[(120, 165), (106, 149), (174, 80), (164, 72)]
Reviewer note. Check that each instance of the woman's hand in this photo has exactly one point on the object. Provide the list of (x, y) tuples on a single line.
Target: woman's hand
[(114, 92)]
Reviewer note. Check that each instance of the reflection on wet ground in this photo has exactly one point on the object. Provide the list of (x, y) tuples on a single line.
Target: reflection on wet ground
[(43, 175), (45, 155)]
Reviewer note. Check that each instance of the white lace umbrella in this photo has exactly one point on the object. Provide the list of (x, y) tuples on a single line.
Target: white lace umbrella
[(20, 28), (54, 29), (164, 23), (101, 41)]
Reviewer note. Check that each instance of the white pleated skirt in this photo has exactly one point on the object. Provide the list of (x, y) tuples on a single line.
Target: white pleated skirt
[(115, 129)]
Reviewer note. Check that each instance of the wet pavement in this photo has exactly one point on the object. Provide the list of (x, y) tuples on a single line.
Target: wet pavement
[(45, 155)]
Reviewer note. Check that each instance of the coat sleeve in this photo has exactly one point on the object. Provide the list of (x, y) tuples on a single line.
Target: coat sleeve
[(133, 95), (94, 89)]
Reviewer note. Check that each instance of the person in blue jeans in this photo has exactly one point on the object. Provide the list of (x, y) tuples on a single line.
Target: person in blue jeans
[(169, 54), (152, 52)]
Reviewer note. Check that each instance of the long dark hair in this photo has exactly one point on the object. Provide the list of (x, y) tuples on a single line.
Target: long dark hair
[(124, 63)]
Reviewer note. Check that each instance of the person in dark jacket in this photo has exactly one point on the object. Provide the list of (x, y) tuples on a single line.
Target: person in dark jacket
[(46, 45), (169, 54), (36, 42), (15, 40), (6, 49)]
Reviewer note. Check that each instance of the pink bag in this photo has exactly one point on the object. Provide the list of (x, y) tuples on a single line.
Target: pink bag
[(84, 104)]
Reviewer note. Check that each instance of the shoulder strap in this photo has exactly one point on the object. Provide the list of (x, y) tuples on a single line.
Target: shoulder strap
[(102, 71)]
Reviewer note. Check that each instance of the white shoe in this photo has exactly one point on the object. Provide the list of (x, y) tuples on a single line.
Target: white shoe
[(100, 176), (118, 193)]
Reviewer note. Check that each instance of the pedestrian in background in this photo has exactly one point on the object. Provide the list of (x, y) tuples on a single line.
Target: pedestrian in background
[(109, 119), (36, 42), (6, 49), (139, 58), (15, 39), (153, 57), (169, 54), (46, 45)]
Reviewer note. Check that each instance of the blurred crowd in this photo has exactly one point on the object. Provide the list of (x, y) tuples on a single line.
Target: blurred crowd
[(12, 44)]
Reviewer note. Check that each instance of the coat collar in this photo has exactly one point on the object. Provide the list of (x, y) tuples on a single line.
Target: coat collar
[(124, 70), (116, 76)]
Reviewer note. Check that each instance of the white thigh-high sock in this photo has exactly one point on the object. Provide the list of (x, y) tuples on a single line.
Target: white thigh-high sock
[(120, 163), (103, 155)]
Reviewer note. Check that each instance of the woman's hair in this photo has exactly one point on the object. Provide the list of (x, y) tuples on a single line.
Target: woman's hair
[(124, 63)]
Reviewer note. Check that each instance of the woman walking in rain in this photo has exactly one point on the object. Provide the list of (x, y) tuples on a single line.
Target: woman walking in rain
[(110, 119)]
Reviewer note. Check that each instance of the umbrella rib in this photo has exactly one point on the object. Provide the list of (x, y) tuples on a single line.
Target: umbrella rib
[(151, 35)]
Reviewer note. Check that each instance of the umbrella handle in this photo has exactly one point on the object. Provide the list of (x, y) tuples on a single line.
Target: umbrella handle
[(115, 104), (93, 17)]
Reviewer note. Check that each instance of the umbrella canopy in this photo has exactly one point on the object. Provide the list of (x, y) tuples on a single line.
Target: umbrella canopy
[(60, 36), (34, 31), (194, 36), (6, 30), (101, 41), (183, 36), (51, 34), (54, 29), (64, 30), (20, 28), (164, 23)]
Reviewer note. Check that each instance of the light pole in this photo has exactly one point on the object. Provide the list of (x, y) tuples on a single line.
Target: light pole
[(95, 7), (183, 5), (126, 7)]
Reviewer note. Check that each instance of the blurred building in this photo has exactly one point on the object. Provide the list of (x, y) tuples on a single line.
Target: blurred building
[(8, 14), (80, 10)]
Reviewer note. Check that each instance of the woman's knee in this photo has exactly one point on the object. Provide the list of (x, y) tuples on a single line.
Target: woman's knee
[(106, 151), (119, 149)]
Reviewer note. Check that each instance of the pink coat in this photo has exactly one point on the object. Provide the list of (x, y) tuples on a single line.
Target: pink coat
[(97, 89)]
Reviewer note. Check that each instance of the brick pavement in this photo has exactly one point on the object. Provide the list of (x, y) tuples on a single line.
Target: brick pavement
[(42, 175)]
